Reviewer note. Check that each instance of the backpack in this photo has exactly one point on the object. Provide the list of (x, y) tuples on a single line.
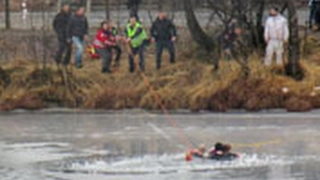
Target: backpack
[(92, 52)]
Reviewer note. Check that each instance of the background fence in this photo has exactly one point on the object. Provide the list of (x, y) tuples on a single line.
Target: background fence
[(32, 38)]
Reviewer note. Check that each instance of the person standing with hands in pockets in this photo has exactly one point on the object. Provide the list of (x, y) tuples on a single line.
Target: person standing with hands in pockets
[(78, 30), (164, 33)]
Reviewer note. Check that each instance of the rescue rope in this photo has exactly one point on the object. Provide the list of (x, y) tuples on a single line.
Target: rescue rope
[(257, 144), (183, 137)]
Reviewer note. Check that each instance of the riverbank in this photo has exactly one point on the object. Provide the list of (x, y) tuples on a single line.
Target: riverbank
[(188, 84)]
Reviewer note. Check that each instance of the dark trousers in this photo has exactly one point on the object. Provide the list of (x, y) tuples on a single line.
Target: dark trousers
[(64, 52), (118, 51), (132, 56), (161, 45), (105, 55)]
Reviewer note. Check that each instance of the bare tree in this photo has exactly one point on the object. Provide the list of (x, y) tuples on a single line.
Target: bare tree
[(59, 5), (88, 7), (198, 33), (249, 15), (107, 8), (293, 68), (7, 12)]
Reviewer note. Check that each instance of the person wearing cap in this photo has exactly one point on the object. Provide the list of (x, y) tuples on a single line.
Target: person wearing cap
[(216, 151), (222, 152)]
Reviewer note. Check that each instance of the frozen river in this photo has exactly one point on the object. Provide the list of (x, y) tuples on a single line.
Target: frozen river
[(136, 145)]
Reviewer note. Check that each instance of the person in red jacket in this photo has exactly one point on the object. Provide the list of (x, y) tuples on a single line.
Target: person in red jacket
[(103, 43)]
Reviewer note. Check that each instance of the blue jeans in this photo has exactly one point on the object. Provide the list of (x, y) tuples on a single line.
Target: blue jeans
[(161, 45), (136, 51), (78, 41)]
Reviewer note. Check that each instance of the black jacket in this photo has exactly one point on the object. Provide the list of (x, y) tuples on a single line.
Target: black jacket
[(60, 25), (78, 26), (163, 30)]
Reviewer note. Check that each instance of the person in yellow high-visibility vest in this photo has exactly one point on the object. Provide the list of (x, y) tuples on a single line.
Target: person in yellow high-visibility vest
[(136, 39)]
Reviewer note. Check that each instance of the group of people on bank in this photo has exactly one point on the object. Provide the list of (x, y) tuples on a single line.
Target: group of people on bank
[(73, 29)]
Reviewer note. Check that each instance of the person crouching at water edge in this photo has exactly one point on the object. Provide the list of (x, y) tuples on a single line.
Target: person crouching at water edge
[(136, 38), (103, 43), (276, 34), (78, 30)]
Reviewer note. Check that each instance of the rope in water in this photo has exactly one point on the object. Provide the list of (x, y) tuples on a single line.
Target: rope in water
[(183, 137), (258, 144)]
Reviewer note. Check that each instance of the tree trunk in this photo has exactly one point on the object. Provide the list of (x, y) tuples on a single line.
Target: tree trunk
[(259, 38), (7, 12), (293, 68), (196, 30), (107, 9), (59, 4), (88, 7)]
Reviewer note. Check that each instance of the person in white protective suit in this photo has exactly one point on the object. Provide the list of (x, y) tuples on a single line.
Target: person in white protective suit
[(276, 34)]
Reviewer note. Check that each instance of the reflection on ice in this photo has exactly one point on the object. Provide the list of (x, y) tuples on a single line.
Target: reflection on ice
[(26, 153)]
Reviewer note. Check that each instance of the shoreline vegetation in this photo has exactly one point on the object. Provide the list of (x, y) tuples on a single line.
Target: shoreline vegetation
[(188, 84)]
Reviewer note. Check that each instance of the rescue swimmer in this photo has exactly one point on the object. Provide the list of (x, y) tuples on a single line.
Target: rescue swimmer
[(220, 152)]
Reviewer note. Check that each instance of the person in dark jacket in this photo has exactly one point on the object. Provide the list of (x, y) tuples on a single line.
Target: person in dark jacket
[(164, 33), (133, 6), (60, 25), (78, 30)]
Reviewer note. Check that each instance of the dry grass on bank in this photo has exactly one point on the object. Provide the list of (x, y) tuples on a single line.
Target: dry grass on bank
[(188, 84)]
